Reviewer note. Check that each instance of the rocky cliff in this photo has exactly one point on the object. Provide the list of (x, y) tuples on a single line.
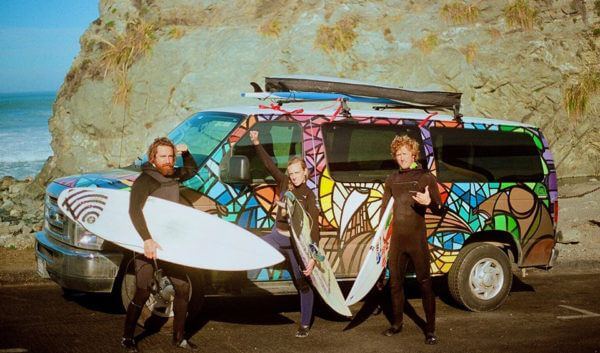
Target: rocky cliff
[(146, 65)]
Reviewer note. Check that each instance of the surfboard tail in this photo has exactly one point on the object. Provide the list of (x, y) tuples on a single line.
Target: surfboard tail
[(375, 261)]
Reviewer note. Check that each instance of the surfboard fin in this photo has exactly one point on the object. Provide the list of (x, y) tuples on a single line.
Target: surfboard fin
[(256, 87)]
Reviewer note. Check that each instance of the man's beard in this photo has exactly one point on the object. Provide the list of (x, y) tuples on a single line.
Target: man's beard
[(166, 169)]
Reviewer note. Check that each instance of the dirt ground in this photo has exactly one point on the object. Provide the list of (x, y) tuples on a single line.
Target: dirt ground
[(17, 266)]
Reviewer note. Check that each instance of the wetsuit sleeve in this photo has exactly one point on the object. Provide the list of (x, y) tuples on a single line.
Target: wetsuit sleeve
[(436, 200), (313, 211), (268, 162), (189, 169), (387, 194), (140, 190)]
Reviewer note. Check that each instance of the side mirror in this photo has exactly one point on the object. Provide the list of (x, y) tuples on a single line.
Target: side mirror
[(235, 170)]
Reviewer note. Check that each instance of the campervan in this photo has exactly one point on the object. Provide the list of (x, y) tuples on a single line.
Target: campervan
[(497, 180)]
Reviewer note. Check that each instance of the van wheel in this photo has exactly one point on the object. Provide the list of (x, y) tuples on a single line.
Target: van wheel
[(156, 311), (480, 278)]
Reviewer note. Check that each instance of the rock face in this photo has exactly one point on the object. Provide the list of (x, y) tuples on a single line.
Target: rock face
[(185, 56), (20, 216)]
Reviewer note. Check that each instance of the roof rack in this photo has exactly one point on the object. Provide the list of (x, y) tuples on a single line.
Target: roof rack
[(296, 88)]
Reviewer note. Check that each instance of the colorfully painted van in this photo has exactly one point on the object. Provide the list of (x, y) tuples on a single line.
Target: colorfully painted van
[(497, 180)]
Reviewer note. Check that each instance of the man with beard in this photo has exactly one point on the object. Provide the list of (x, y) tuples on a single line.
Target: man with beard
[(160, 179)]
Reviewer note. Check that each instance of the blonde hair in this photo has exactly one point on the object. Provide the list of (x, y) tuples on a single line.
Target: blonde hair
[(403, 140), (294, 160), (159, 141)]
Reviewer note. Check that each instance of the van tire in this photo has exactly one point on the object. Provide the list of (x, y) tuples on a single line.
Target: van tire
[(480, 278), (161, 319)]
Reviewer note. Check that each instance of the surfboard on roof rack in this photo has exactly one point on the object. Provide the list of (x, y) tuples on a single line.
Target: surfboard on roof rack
[(357, 91), (324, 84), (287, 97)]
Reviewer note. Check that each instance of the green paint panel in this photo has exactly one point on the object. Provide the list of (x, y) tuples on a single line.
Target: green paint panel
[(507, 224), (504, 186), (540, 190), (508, 128), (544, 166), (538, 142), (513, 227), (500, 222)]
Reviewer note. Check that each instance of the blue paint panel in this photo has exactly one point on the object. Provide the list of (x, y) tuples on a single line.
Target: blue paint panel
[(252, 202), (263, 275), (225, 198), (216, 191), (243, 220), (448, 245)]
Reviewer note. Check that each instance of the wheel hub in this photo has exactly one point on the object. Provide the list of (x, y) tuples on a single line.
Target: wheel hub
[(486, 278)]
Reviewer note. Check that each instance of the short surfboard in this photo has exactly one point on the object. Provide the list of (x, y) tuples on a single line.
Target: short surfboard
[(187, 236), (376, 259), (322, 276)]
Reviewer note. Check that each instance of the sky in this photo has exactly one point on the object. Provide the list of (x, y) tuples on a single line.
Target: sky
[(39, 40)]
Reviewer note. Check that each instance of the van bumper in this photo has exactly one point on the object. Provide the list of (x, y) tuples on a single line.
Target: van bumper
[(76, 269)]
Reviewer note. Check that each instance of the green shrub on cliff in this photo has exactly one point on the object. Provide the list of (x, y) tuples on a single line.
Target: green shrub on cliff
[(119, 55), (271, 28), (520, 14), (577, 96), (129, 46), (337, 38), (460, 13), (427, 43)]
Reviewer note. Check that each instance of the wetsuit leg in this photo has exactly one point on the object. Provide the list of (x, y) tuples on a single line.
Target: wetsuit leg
[(398, 260), (420, 259), (284, 246), (307, 296), (274, 239), (143, 279), (180, 302)]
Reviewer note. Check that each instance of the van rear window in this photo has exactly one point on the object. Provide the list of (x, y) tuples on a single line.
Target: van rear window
[(465, 155), (361, 153)]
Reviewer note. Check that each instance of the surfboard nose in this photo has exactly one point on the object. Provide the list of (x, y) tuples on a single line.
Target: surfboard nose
[(82, 204)]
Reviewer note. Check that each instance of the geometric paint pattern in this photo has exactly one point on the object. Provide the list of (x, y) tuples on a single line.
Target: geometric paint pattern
[(468, 207)]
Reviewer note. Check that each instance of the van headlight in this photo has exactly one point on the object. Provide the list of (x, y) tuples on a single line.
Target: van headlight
[(83, 238)]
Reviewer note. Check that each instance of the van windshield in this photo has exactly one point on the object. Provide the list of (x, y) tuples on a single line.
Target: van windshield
[(202, 133)]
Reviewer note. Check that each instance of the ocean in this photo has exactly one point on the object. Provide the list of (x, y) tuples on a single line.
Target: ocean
[(24, 132)]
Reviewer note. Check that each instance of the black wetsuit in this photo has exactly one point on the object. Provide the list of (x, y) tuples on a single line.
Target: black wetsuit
[(279, 237), (152, 183), (409, 238)]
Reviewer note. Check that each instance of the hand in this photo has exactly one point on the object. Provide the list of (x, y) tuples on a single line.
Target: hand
[(180, 148), (254, 137), (423, 198), (150, 247), (310, 267)]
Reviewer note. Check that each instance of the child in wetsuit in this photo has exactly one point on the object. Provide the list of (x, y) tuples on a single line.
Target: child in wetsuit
[(414, 190)]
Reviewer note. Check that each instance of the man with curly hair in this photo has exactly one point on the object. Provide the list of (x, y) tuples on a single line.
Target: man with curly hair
[(414, 190)]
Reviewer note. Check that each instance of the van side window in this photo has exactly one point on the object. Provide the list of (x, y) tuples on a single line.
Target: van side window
[(465, 155), (281, 140), (361, 153)]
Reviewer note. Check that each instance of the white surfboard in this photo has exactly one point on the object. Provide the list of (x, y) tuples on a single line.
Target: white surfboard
[(187, 236), (376, 259), (322, 276)]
